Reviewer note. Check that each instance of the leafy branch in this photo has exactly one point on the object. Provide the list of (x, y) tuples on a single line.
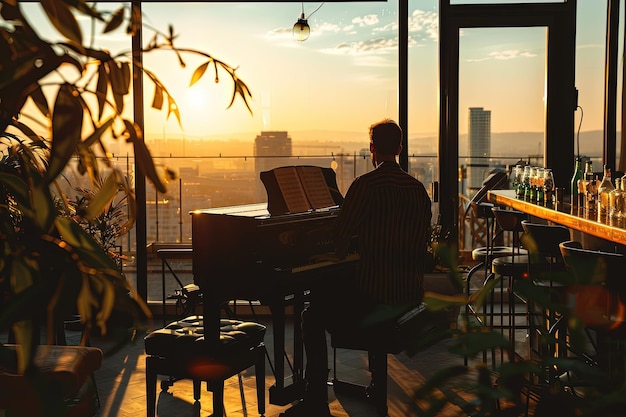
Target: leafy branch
[(78, 91)]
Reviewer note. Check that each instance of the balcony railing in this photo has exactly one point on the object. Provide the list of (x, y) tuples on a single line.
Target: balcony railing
[(220, 181)]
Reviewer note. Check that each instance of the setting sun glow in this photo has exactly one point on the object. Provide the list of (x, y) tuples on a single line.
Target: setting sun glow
[(196, 100)]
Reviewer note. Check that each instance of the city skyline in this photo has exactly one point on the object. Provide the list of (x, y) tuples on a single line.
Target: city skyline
[(344, 77), (242, 143)]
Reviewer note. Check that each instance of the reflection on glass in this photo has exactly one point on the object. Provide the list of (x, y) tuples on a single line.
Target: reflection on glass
[(501, 107)]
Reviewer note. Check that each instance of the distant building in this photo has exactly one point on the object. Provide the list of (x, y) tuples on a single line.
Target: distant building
[(272, 149), (479, 151), (162, 220), (270, 144)]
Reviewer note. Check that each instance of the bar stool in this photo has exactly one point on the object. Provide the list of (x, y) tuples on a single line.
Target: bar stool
[(508, 269), (546, 293), (545, 262), (596, 298), (482, 270)]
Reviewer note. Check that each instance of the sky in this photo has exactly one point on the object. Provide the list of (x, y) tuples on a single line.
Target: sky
[(344, 77)]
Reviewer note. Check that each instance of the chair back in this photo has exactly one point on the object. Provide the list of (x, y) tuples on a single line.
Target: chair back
[(597, 275), (542, 242), (509, 220), (594, 267)]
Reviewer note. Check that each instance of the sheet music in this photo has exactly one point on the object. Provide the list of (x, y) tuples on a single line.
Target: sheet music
[(315, 187), (292, 189)]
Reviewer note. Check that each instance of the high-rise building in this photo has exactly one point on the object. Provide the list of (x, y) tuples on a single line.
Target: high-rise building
[(271, 149), (479, 144), (272, 143)]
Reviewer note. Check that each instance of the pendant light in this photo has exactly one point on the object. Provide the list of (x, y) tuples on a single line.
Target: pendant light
[(301, 29)]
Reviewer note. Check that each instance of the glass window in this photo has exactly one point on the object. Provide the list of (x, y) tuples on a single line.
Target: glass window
[(322, 93), (423, 92), (590, 60), (312, 101), (501, 100)]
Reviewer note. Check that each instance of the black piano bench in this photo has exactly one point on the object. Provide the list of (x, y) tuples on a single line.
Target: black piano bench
[(379, 341), (180, 351)]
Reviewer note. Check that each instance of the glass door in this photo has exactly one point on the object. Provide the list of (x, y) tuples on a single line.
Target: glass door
[(504, 68)]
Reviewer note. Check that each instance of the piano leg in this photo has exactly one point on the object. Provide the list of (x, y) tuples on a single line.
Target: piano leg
[(298, 343), (286, 389)]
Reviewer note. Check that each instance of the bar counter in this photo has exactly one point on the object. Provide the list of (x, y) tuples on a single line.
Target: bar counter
[(564, 214)]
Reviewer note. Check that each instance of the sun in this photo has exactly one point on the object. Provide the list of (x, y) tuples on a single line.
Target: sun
[(196, 100), (195, 108)]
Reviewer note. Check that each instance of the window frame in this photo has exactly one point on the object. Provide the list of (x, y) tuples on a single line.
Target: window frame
[(560, 21)]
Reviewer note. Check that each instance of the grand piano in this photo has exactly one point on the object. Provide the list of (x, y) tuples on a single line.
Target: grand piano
[(261, 252)]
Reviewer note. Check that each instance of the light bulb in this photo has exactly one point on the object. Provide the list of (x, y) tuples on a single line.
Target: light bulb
[(301, 29)]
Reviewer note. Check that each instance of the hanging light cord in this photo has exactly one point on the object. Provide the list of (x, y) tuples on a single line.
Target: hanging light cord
[(318, 7), (578, 133)]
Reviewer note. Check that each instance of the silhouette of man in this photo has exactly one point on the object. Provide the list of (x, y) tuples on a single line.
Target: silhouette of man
[(390, 212)]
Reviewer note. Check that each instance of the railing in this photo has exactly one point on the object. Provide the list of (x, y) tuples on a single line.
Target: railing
[(219, 181)]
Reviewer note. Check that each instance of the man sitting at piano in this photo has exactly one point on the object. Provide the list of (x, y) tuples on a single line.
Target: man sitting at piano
[(390, 212)]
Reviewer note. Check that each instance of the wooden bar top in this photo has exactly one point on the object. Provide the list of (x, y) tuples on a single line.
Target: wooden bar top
[(564, 214)]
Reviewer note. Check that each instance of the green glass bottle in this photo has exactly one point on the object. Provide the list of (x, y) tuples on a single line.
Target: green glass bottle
[(578, 174)]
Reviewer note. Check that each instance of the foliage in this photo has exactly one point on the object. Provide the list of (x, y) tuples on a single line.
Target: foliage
[(107, 226), (567, 386), (78, 92), (437, 236)]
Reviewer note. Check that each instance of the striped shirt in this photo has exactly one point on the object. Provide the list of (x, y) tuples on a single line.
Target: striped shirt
[(390, 212)]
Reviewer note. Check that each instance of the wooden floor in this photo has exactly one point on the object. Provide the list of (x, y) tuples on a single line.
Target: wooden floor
[(122, 389), (121, 385)]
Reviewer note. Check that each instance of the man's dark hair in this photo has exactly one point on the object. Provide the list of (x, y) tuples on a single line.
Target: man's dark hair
[(386, 136)]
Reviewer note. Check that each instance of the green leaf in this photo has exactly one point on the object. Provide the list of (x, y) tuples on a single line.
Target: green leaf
[(115, 21), (480, 296), (241, 89), (88, 162), (157, 100), (67, 122), (143, 157), (102, 88), (120, 76), (89, 52), (87, 249), (40, 101), (74, 235), (125, 74), (479, 340), (97, 134), (103, 198), (438, 302), (83, 7), (17, 186), (116, 77), (23, 331), (198, 73), (172, 107), (21, 275), (107, 302), (43, 207), (25, 129), (62, 19)]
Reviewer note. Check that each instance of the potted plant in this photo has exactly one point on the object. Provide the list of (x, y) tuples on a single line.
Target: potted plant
[(50, 263)]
